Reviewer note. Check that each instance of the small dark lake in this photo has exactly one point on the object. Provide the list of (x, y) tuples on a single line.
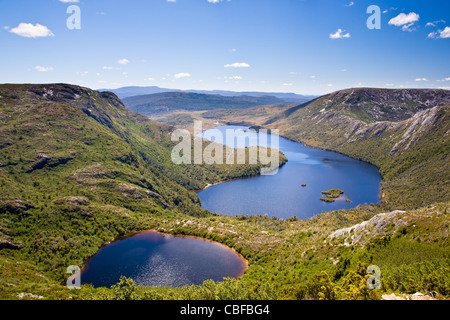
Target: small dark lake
[(282, 195), (154, 259)]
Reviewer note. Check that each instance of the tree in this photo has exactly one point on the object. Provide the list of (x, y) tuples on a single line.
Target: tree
[(124, 289), (342, 266), (320, 287)]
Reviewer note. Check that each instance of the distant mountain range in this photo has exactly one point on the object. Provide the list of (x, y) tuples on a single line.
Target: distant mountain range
[(167, 102), (126, 92)]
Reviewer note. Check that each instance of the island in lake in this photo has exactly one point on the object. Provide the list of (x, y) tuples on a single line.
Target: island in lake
[(331, 195)]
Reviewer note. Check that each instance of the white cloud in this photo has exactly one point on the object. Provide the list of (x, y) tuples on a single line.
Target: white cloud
[(233, 78), (403, 19), (69, 1), (181, 75), (421, 79), (339, 34), (28, 30), (350, 4), (107, 68), (445, 79), (434, 23), (123, 61), (390, 9), (408, 27), (288, 84), (313, 77), (406, 21), (445, 33), (440, 34), (237, 65), (43, 69)]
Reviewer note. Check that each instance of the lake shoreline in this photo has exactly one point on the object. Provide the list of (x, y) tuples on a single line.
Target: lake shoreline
[(217, 183), (296, 151), (313, 147), (306, 145), (232, 179), (134, 233)]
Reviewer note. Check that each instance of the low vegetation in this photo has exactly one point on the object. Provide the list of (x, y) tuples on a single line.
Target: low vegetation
[(77, 170)]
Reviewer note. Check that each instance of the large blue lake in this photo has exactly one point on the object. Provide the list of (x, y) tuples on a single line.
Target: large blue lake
[(282, 194)]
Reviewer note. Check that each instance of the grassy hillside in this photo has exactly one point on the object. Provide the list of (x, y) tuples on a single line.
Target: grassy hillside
[(411, 149), (325, 257), (78, 169)]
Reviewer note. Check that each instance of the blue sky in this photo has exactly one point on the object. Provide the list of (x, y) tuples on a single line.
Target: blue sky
[(301, 46)]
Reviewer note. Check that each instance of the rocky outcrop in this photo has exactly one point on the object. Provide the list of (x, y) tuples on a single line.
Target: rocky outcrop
[(43, 160), (5, 244), (90, 174), (29, 296), (360, 233), (387, 104), (406, 132), (140, 193), (15, 206), (383, 226), (415, 127), (415, 296), (75, 201), (74, 204)]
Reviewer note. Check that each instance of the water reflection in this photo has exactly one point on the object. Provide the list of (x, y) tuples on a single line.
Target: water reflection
[(154, 259), (282, 195)]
